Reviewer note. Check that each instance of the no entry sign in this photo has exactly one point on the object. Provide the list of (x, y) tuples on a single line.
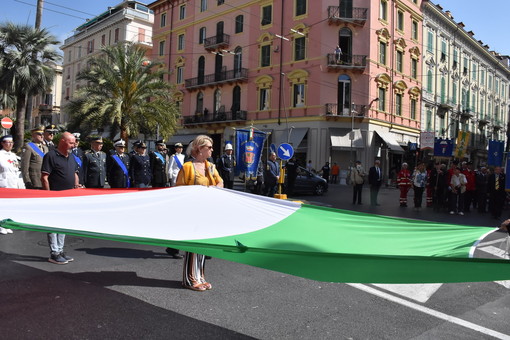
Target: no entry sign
[(6, 122)]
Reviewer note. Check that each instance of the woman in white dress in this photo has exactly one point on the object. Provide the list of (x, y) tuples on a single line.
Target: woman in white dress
[(10, 174)]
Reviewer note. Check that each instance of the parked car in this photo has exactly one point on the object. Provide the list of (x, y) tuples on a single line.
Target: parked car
[(309, 183)]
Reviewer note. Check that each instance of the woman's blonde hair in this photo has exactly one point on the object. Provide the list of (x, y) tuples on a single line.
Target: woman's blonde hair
[(197, 143)]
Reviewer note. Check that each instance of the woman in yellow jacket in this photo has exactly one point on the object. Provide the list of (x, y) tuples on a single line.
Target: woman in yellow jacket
[(198, 171)]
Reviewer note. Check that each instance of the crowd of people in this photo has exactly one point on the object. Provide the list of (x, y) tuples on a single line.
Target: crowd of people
[(456, 190)]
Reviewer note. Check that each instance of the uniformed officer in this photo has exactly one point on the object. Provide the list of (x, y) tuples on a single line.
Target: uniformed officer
[(140, 167), (31, 159), (225, 165), (176, 162), (117, 166), (49, 133), (159, 165), (94, 164)]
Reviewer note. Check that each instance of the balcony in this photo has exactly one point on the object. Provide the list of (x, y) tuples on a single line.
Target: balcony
[(465, 115), (356, 15), (215, 117), (217, 42), (45, 108), (498, 125), (224, 76), (333, 110), (483, 121), (346, 61)]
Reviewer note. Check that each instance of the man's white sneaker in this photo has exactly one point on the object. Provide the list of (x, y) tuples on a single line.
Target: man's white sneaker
[(9, 231), (461, 213), (3, 231), (452, 212)]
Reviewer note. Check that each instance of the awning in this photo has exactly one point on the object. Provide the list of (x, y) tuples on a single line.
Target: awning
[(340, 139), (184, 139), (295, 138), (390, 141)]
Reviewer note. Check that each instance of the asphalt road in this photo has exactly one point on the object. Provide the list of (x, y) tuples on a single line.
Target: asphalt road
[(126, 291)]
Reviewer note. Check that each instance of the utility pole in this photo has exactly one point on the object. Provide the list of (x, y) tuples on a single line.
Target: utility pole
[(30, 98)]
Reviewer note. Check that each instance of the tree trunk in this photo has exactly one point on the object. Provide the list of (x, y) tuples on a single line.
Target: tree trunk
[(19, 130)]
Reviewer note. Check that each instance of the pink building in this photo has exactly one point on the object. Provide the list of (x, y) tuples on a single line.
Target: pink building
[(278, 65)]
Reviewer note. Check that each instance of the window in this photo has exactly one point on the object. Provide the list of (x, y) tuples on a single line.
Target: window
[(201, 35), (400, 60), (465, 70), (141, 34), (489, 78), (180, 75), (220, 2), (382, 99), (455, 58), (300, 7), (443, 91), (267, 15), (265, 56), (474, 71), (383, 10), (103, 40), (430, 41), (299, 48), (382, 53), (414, 33), (429, 81), (414, 68), (443, 50), (454, 93), (69, 56), (161, 48), (117, 34), (264, 99), (180, 42), (429, 120), (398, 104), (482, 77), (182, 12), (79, 51), (400, 20), (90, 46), (162, 20), (203, 5), (298, 95), (413, 108), (239, 23)]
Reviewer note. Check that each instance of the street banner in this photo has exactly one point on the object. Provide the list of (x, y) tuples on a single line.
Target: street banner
[(443, 147), (426, 140), (249, 146), (309, 241), (496, 151), (462, 144)]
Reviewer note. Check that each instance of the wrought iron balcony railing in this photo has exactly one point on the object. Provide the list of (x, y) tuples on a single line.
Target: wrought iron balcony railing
[(217, 41), (215, 117), (337, 14), (223, 76), (347, 61)]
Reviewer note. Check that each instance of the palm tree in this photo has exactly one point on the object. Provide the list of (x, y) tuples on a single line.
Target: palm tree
[(125, 92), (20, 73)]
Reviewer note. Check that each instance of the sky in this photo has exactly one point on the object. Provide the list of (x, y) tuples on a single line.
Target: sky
[(485, 18)]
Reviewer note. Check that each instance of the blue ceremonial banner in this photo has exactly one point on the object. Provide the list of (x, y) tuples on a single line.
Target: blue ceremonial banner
[(443, 147), (495, 156), (249, 145)]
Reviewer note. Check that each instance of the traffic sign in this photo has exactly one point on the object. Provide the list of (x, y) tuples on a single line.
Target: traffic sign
[(285, 151), (6, 122)]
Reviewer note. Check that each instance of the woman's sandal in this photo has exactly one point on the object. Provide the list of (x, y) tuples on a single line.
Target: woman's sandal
[(207, 285), (198, 287)]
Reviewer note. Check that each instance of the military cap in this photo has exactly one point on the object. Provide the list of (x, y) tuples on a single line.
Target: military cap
[(120, 142), (77, 135), (39, 129), (97, 139), (141, 145), (160, 142), (178, 145), (51, 128)]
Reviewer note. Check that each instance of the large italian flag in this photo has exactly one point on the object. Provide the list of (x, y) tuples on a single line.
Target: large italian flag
[(308, 241)]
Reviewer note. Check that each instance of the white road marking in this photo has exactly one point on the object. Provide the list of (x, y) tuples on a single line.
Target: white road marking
[(430, 311), (488, 243), (499, 253), (420, 292)]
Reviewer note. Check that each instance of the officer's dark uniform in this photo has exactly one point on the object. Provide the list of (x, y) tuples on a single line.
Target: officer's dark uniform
[(94, 169), (225, 166), (140, 169), (114, 173), (159, 167)]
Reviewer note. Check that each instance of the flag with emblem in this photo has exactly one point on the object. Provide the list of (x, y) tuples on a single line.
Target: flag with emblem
[(495, 153), (462, 144)]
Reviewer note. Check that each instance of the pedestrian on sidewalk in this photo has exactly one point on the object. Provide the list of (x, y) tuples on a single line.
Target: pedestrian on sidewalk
[(457, 189), (419, 182), (335, 171), (375, 181), (357, 178)]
